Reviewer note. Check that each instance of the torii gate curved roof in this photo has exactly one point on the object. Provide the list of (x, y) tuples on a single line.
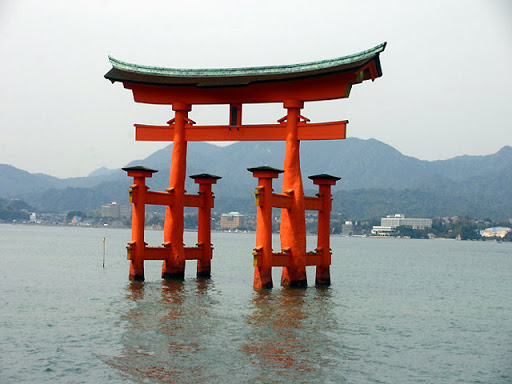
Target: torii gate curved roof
[(319, 80)]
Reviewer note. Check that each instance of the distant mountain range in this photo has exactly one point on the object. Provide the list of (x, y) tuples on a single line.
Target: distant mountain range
[(376, 179)]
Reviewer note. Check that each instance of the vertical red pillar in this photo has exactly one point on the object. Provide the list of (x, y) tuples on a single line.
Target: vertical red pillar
[(293, 220), (174, 266), (138, 200), (324, 182), (263, 250), (204, 222)]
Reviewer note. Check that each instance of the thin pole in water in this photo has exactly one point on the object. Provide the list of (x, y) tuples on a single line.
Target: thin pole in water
[(103, 252)]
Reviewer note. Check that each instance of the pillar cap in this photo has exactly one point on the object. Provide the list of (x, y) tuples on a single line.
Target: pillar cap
[(265, 168), (139, 170), (265, 172), (324, 178), (205, 176)]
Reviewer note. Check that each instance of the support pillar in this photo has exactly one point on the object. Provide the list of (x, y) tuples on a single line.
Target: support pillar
[(174, 266), (324, 182), (204, 222), (138, 199), (263, 250), (293, 220)]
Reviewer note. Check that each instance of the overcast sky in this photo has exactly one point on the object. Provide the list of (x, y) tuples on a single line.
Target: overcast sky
[(446, 88)]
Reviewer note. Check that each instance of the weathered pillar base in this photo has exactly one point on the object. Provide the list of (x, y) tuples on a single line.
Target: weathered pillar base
[(258, 285), (289, 279), (173, 276), (323, 283), (204, 273), (323, 276), (136, 278), (262, 280), (136, 272), (172, 272)]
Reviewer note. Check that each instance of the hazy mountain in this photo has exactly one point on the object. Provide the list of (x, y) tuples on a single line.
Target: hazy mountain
[(463, 167), (360, 163), (479, 197), (79, 198), (375, 178), (103, 171), (15, 182)]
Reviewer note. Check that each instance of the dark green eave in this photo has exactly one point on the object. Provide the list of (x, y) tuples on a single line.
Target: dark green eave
[(139, 168), (265, 168), (205, 176), (228, 77), (324, 176)]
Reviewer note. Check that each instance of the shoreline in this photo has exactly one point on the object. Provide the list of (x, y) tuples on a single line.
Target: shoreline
[(194, 230)]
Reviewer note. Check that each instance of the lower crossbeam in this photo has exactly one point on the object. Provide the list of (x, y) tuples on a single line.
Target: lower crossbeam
[(163, 253)]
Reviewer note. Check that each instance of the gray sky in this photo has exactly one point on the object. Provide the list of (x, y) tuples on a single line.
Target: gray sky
[(446, 88)]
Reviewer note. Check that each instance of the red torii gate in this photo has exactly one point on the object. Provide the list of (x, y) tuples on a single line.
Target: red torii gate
[(291, 85)]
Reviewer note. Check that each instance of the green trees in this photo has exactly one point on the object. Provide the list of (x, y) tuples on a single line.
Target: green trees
[(466, 228), (463, 228), (14, 210), (408, 231)]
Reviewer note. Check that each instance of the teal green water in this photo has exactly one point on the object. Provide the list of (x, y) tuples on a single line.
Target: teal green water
[(398, 311)]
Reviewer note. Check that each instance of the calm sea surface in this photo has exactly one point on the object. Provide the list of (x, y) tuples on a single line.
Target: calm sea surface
[(398, 311)]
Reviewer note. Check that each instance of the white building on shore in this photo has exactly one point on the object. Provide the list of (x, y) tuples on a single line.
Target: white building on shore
[(390, 222)]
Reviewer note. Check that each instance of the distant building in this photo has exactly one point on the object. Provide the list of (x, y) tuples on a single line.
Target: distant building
[(390, 222), (232, 220), (379, 230), (33, 217), (125, 211), (398, 220), (495, 232), (347, 228), (116, 211)]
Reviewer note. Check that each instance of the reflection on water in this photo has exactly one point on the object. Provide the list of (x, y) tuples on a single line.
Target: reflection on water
[(291, 335), (188, 332), (164, 328), (135, 290)]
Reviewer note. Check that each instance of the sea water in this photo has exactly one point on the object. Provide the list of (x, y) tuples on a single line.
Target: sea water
[(398, 311)]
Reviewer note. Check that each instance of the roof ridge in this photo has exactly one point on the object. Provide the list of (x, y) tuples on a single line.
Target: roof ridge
[(246, 71)]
